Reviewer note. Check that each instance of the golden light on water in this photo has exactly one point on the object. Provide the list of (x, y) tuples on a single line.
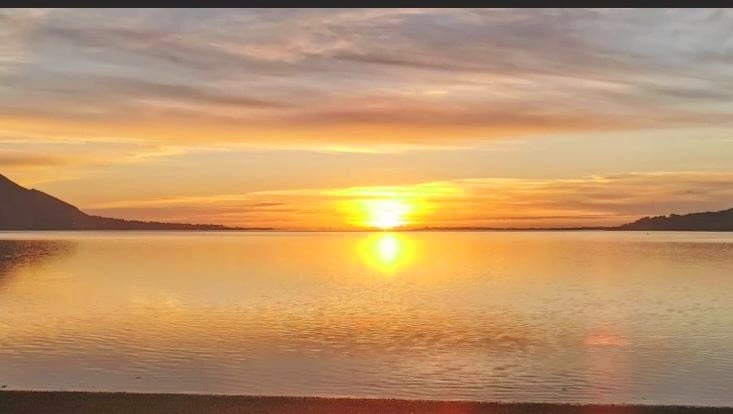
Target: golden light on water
[(386, 252), (388, 248)]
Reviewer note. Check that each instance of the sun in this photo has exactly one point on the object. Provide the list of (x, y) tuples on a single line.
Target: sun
[(386, 214)]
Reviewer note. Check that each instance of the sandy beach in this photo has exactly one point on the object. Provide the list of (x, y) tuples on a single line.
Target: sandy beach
[(33, 402)]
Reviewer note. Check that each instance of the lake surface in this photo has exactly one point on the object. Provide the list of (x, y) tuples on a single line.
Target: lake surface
[(514, 316)]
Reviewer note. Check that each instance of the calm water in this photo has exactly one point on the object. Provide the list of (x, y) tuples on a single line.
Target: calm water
[(551, 316)]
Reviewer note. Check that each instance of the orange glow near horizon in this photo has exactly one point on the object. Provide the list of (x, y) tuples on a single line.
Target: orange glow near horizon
[(390, 207)]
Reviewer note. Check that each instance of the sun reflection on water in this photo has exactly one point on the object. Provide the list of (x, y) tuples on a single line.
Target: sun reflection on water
[(386, 252)]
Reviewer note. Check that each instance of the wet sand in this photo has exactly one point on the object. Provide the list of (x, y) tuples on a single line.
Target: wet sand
[(31, 402)]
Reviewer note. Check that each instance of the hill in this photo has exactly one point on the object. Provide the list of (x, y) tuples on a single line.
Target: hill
[(707, 221), (24, 209)]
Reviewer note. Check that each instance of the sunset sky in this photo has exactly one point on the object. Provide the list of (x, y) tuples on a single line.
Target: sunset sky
[(316, 119)]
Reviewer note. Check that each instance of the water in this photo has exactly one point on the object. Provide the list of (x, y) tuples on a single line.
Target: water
[(520, 316)]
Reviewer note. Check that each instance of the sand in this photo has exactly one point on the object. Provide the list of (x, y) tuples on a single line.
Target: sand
[(32, 402)]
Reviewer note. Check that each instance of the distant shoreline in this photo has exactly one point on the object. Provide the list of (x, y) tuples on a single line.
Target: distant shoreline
[(63, 402), (427, 230)]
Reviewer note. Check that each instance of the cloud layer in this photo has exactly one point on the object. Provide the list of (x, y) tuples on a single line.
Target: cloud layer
[(360, 77)]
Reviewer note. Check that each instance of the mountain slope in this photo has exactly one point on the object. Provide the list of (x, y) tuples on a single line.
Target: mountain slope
[(708, 221), (24, 209)]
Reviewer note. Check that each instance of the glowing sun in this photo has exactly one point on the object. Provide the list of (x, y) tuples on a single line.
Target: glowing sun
[(386, 214)]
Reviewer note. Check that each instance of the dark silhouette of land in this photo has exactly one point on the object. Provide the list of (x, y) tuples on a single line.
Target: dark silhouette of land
[(19, 402), (24, 209), (707, 221)]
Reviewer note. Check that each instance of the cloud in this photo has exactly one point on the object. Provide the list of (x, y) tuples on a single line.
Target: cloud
[(15, 159), (360, 78), (33, 160)]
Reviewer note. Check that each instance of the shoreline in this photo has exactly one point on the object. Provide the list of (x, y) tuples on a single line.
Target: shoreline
[(370, 230), (78, 402)]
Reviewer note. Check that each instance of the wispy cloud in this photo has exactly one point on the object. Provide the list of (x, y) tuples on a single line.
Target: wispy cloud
[(14, 159)]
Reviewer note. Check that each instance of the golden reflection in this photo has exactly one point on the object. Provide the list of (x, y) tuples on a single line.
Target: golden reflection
[(386, 252), (388, 249)]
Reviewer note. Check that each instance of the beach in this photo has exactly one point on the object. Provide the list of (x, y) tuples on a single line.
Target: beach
[(37, 402)]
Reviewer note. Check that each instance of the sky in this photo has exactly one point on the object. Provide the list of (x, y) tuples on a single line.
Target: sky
[(361, 118)]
